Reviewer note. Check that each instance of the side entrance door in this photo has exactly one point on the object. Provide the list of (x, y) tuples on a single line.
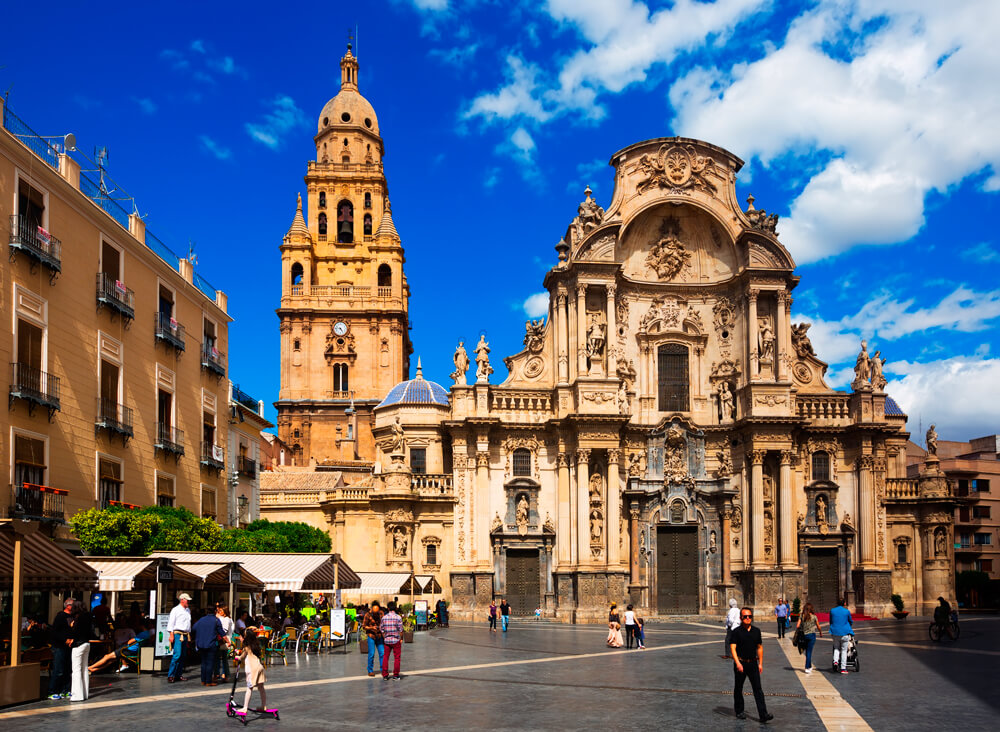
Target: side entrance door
[(523, 581), (677, 570), (824, 584)]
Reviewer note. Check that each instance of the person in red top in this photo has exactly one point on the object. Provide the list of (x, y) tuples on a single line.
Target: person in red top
[(392, 634)]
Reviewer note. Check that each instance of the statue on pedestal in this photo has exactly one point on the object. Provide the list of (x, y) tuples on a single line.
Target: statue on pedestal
[(876, 363), (932, 439), (461, 359), (483, 368), (862, 368), (397, 444)]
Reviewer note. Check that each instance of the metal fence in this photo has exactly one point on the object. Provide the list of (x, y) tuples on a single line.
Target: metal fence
[(111, 207), (38, 145)]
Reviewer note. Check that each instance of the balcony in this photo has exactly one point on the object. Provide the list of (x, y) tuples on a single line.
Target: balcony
[(246, 467), (167, 330), (213, 456), (214, 361), (113, 294), (32, 502), (244, 399), (169, 439), (27, 238), (115, 418), (34, 386), (122, 504)]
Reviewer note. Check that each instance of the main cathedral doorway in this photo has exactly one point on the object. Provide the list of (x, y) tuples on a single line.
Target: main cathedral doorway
[(677, 570), (824, 585), (522, 581)]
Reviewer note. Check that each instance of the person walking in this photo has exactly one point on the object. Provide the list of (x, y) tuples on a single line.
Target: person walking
[(732, 622), (640, 632), (178, 631), (221, 657), (250, 656), (810, 629), (781, 613), (747, 650), (83, 632), (207, 633), (391, 627), (493, 616), (504, 614), (371, 623), (442, 613), (630, 633), (841, 630), (61, 636)]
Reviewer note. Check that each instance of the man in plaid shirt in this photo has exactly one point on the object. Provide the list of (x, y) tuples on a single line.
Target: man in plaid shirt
[(392, 629)]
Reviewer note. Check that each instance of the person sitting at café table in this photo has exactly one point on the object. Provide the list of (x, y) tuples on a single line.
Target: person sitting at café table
[(132, 647)]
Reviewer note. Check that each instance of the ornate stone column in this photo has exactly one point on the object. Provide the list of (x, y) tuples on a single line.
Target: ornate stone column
[(753, 357), (613, 503), (757, 520), (571, 332), (781, 342), (866, 511), (789, 555), (561, 336), (633, 554), (481, 519), (582, 506), (726, 516), (611, 337), (564, 535), (581, 329)]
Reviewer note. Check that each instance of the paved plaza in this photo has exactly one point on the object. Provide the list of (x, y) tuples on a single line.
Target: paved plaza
[(547, 676)]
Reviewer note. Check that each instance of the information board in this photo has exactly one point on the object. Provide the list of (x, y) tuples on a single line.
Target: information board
[(338, 622), (162, 636), (420, 610)]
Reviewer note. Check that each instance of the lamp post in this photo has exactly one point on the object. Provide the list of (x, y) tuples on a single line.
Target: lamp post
[(241, 507)]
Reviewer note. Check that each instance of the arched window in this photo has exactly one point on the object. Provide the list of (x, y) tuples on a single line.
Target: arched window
[(322, 224), (322, 199), (673, 377), (821, 465), (296, 274), (384, 275), (340, 377), (368, 199), (368, 224), (345, 222), (522, 461)]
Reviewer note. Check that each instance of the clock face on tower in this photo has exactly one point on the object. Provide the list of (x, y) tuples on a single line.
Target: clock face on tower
[(340, 328)]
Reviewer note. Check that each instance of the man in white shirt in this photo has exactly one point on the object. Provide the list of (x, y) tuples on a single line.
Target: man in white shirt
[(732, 622), (630, 628), (179, 630)]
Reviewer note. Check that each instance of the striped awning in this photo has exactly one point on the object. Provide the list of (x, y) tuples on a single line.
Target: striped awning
[(428, 583), (123, 574), (44, 565), (279, 572), (215, 575)]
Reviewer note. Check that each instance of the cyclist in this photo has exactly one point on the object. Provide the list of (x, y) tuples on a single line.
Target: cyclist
[(942, 617)]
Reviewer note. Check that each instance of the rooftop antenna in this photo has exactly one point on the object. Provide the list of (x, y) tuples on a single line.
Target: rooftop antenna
[(192, 257)]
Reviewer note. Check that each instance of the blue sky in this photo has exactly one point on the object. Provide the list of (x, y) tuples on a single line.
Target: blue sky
[(870, 126)]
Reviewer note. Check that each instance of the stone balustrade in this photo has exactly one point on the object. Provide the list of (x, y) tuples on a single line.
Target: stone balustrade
[(902, 488), (824, 408), (432, 484), (535, 405)]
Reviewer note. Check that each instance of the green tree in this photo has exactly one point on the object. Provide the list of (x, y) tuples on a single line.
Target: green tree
[(117, 531), (300, 537)]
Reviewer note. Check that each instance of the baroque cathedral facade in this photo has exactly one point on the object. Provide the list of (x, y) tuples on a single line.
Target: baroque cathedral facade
[(665, 437)]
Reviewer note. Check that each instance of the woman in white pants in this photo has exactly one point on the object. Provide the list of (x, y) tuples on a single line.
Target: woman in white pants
[(83, 631)]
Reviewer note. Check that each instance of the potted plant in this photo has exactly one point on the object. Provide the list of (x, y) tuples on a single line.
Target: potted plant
[(796, 609), (899, 613), (409, 625)]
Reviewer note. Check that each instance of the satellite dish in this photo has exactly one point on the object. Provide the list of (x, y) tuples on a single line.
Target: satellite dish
[(70, 141)]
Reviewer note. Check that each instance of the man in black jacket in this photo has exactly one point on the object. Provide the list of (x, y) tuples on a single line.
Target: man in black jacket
[(62, 637), (747, 649)]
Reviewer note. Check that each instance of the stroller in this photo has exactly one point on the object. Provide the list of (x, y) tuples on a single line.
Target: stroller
[(231, 705), (852, 664)]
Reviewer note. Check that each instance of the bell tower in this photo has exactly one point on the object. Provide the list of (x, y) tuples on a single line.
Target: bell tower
[(344, 298)]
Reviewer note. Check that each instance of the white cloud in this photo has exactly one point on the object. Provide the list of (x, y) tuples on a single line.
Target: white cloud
[(831, 341), (515, 99), (284, 117), (222, 153), (198, 46), (458, 56), (536, 305), (147, 105), (492, 177), (982, 252), (589, 173), (436, 5), (225, 65), (963, 310)]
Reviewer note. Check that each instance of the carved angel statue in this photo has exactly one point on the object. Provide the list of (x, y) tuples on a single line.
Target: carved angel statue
[(483, 368), (533, 339), (727, 406), (521, 512), (397, 443), (800, 341), (932, 439), (725, 463), (635, 463), (595, 487), (862, 368), (878, 380), (461, 359)]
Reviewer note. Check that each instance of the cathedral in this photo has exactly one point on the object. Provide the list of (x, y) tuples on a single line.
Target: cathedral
[(664, 438)]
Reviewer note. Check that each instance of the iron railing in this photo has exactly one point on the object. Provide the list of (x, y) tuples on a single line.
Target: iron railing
[(35, 502), (169, 439), (28, 237), (114, 417), (241, 397), (246, 466), (213, 456), (100, 196), (38, 387), (29, 138), (205, 286), (115, 295), (168, 330), (213, 359)]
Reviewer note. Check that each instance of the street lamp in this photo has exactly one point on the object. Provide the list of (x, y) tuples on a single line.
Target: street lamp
[(241, 502)]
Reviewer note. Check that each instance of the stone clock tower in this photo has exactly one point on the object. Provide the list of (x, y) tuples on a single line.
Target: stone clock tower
[(344, 299)]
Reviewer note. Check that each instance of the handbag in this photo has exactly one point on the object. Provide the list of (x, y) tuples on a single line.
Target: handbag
[(799, 639)]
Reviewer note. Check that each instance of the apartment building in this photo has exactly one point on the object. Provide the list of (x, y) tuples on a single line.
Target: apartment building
[(249, 455), (118, 389)]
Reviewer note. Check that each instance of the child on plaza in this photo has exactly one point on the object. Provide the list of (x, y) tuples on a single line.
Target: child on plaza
[(250, 657)]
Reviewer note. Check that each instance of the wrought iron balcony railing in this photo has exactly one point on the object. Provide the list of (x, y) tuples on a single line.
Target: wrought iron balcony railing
[(169, 439), (212, 359), (241, 397), (115, 418), (168, 330), (34, 386), (36, 243), (246, 466), (213, 456), (34, 502), (112, 293)]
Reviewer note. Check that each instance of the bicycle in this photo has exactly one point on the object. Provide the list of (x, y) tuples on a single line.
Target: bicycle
[(948, 631)]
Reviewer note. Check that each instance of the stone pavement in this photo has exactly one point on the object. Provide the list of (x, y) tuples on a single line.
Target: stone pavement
[(548, 676)]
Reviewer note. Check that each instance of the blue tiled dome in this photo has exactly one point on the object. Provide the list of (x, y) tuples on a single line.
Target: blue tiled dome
[(892, 409), (416, 391)]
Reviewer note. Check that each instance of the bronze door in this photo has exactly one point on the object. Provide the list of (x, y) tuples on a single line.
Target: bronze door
[(523, 580), (824, 584), (677, 570)]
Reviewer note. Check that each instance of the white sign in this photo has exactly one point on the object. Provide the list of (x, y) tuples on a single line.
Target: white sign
[(217, 453), (338, 624), (162, 636)]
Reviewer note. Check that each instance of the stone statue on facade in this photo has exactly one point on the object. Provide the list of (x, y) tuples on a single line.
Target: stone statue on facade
[(621, 399), (635, 463), (483, 368), (940, 542), (800, 341), (399, 543), (589, 215), (727, 406), (862, 368), (596, 526), (931, 438), (397, 443), (497, 523), (521, 512), (725, 464), (800, 522), (713, 545), (533, 338), (766, 345), (548, 525), (595, 487), (876, 363), (759, 218), (461, 359), (821, 517), (596, 336)]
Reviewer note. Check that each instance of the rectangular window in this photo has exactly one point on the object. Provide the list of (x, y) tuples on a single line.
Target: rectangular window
[(209, 338), (207, 502), (963, 487), (981, 512), (432, 554), (29, 344), (111, 262), (29, 460), (109, 481), (165, 409), (901, 554), (981, 485), (30, 205), (208, 428), (983, 565), (983, 538), (965, 541), (418, 459), (166, 303), (673, 378), (109, 382), (963, 514), (164, 490)]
